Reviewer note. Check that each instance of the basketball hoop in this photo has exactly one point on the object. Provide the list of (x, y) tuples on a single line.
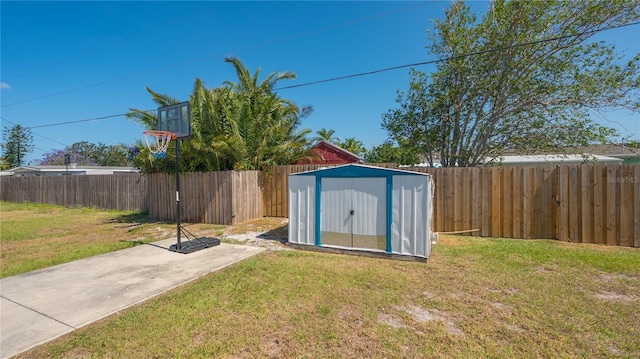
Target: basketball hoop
[(159, 142)]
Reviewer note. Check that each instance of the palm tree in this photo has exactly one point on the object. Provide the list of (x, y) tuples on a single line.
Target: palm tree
[(264, 128), (326, 135), (240, 125), (354, 146)]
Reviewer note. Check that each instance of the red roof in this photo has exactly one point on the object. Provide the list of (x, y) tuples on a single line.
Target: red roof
[(328, 153)]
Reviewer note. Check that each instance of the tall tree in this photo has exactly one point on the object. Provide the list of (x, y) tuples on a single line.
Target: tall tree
[(17, 142), (403, 154), (524, 77), (326, 135)]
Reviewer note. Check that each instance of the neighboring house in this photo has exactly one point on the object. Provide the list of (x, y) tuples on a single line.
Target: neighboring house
[(552, 160), (601, 154), (628, 155), (326, 153), (25, 171), (606, 154)]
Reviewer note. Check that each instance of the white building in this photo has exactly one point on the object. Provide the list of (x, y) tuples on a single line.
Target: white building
[(24, 171)]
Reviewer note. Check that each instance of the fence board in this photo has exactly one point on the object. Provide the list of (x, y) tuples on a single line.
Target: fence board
[(610, 212), (526, 202), (586, 187), (440, 202), (476, 205), (457, 198), (636, 205), (464, 204), (573, 206), (516, 180), (626, 212), (598, 214), (496, 210), (546, 202), (506, 182), (562, 216), (485, 216)]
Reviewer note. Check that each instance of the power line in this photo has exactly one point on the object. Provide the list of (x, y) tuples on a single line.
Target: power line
[(455, 57), (79, 121), (37, 134), (498, 49), (51, 139), (13, 123)]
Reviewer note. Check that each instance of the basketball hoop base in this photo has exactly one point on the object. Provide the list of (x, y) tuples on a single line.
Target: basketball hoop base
[(195, 245)]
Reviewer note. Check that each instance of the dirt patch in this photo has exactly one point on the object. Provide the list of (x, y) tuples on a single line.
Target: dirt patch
[(614, 278), (614, 350), (428, 295), (501, 306), (423, 315), (270, 233), (616, 297), (257, 239), (391, 320), (509, 291), (515, 328), (547, 268)]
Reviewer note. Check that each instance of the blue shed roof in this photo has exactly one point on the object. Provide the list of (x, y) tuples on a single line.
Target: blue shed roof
[(356, 170)]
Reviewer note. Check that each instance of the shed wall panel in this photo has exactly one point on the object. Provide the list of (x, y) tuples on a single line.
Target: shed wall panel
[(302, 209), (410, 234)]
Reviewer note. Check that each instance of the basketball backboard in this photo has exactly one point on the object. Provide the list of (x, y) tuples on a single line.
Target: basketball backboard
[(175, 118)]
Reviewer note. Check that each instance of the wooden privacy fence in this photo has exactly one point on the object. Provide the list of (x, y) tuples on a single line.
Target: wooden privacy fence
[(127, 192), (575, 203), (211, 197), (207, 197)]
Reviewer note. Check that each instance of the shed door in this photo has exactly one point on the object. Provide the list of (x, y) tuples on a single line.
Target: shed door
[(353, 212)]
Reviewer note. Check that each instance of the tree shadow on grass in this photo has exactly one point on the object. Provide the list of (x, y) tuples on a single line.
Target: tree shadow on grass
[(132, 220), (134, 217)]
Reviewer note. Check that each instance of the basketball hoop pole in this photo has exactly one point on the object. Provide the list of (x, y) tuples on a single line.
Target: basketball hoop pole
[(178, 244), (174, 123)]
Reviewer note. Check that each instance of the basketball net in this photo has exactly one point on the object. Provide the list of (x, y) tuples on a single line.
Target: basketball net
[(158, 142)]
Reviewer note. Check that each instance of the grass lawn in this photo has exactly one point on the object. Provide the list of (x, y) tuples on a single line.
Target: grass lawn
[(475, 297), (35, 236)]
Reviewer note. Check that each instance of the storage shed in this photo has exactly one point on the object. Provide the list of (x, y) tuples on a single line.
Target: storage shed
[(362, 208)]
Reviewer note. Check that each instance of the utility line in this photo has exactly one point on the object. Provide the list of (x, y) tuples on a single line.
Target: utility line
[(78, 121), (51, 139), (455, 57), (37, 134)]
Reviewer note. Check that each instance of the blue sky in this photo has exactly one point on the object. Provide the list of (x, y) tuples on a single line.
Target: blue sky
[(71, 61)]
